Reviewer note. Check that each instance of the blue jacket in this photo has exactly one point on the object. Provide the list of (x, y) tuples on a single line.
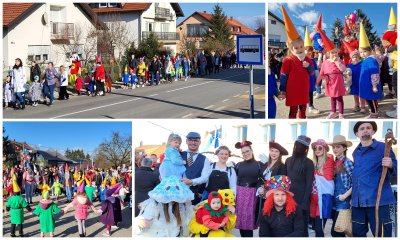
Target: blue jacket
[(367, 173)]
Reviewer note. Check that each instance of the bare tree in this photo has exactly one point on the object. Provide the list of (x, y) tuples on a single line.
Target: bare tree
[(187, 45), (114, 152), (260, 25)]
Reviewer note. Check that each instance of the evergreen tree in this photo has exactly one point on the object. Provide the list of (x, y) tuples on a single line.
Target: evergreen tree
[(372, 35), (219, 36), (87, 157), (149, 47), (337, 35)]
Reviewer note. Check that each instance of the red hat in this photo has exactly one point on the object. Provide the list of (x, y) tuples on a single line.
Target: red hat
[(346, 29), (44, 179), (350, 49), (66, 167), (329, 46), (389, 37), (213, 195), (319, 23)]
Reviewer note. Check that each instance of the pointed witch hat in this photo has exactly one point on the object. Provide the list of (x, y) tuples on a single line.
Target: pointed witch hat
[(346, 30), (329, 46), (392, 18), (111, 191), (66, 167), (16, 188), (291, 31), (350, 49), (307, 39), (364, 42), (81, 187), (319, 23), (113, 180)]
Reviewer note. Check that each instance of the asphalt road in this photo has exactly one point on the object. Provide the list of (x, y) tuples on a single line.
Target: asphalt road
[(66, 226), (223, 95)]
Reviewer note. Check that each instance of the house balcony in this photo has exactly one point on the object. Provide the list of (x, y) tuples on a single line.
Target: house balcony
[(162, 13), (162, 36), (62, 31)]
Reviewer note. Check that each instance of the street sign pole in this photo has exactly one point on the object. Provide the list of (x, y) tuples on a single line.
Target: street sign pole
[(251, 93)]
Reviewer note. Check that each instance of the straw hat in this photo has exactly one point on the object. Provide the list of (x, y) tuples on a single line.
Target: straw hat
[(339, 140)]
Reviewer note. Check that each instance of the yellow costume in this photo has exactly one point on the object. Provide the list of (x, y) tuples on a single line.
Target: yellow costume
[(228, 199), (44, 187)]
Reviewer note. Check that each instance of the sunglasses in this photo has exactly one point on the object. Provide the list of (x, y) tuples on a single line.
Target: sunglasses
[(318, 148)]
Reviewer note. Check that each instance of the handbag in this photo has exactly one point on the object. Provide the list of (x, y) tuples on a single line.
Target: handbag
[(343, 222)]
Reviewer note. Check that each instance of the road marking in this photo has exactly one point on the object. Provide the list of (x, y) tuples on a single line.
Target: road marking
[(256, 88), (226, 100), (189, 86), (153, 95), (91, 109), (237, 95), (190, 114), (208, 107), (256, 97), (247, 91)]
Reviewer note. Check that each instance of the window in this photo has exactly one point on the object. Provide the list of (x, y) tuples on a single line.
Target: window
[(102, 5), (30, 58), (238, 29), (387, 125), (273, 22), (274, 38), (164, 27), (45, 57), (241, 133), (37, 57), (351, 135), (196, 30), (330, 129), (113, 5), (232, 28), (150, 26), (297, 130), (269, 132)]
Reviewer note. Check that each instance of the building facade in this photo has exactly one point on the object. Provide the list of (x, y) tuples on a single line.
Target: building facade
[(276, 32)]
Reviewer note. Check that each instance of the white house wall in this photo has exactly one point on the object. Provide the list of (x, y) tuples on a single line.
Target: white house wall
[(31, 31), (277, 29)]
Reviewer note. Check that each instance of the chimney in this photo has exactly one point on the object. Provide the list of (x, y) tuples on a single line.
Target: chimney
[(231, 18), (204, 11)]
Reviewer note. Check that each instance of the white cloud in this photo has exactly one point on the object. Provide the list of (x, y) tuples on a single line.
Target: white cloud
[(300, 30), (250, 21), (309, 17), (274, 6), (297, 7)]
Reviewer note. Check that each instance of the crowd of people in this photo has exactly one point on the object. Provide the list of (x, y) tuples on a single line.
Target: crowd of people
[(82, 188), (354, 67), (185, 194), (97, 82)]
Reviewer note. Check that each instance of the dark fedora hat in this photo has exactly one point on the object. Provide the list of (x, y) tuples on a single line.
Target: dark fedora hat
[(282, 150), (358, 124)]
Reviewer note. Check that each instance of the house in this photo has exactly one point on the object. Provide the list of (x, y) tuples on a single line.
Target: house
[(46, 31), (142, 19), (150, 149), (276, 32), (51, 158), (197, 24)]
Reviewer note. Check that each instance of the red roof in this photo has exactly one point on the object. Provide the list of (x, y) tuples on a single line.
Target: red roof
[(12, 11), (126, 7), (231, 23)]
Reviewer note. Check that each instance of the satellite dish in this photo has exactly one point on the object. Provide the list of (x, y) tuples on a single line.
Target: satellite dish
[(45, 19)]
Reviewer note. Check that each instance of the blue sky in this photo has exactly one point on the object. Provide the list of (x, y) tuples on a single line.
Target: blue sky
[(62, 135), (307, 13), (246, 13)]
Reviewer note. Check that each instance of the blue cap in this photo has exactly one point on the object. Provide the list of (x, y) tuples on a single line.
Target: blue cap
[(193, 135)]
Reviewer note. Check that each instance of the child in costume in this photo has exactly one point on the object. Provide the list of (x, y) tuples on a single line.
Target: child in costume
[(78, 84), (198, 229), (103, 190), (370, 86), (352, 75), (295, 72), (111, 209), (35, 90), (45, 210), (8, 91), (91, 191), (213, 215), (173, 163), (57, 188), (122, 193), (332, 71), (133, 79), (108, 82), (167, 212), (44, 187), (81, 202), (125, 78), (15, 205), (272, 92), (310, 52)]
